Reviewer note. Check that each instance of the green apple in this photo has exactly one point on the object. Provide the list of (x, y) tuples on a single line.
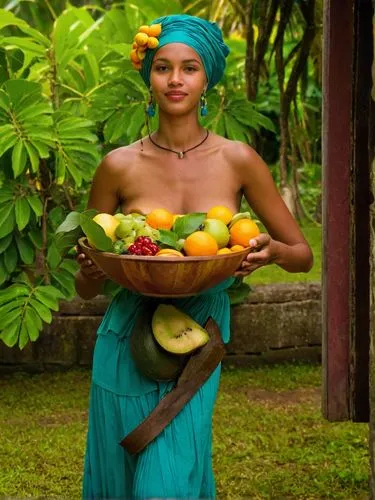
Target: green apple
[(218, 230)]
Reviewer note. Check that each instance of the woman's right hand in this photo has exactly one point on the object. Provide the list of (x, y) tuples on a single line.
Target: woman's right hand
[(88, 268)]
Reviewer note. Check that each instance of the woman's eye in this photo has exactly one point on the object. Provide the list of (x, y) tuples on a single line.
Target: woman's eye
[(190, 69), (161, 68)]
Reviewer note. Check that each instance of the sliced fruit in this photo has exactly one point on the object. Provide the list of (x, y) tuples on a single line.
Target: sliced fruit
[(239, 216), (218, 230), (223, 251), (237, 248), (149, 357), (220, 212), (109, 223), (200, 243), (177, 332), (169, 252), (242, 232)]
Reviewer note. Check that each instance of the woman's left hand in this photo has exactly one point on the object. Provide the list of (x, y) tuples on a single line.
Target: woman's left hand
[(261, 254)]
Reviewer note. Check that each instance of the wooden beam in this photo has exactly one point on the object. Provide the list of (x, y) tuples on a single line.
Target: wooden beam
[(360, 215), (336, 130)]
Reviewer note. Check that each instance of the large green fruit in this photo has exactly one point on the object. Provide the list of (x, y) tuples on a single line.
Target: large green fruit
[(176, 332), (150, 358)]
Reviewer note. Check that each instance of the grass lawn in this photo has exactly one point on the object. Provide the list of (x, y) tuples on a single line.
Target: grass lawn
[(274, 274), (270, 440)]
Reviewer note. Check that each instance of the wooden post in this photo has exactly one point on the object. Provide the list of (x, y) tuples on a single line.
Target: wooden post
[(360, 214), (337, 109), (372, 273)]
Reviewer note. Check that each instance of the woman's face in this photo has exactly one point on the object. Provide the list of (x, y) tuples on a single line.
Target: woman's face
[(177, 78)]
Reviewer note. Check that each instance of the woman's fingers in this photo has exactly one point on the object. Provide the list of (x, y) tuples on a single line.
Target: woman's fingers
[(259, 256), (89, 268)]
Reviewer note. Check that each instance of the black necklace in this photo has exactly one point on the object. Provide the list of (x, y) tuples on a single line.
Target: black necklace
[(180, 154)]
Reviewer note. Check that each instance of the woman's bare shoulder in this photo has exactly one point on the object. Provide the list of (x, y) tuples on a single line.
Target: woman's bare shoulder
[(118, 159), (238, 153)]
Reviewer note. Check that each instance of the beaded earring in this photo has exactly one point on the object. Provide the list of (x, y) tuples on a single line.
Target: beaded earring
[(204, 109), (150, 110)]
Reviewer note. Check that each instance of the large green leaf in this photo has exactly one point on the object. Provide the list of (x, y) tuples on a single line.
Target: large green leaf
[(65, 281), (74, 136), (71, 222), (36, 204), (7, 18), (42, 310), (10, 335), (18, 158), (7, 219), (187, 224), (5, 242), (26, 250), (29, 134), (53, 256), (95, 233), (22, 210), (48, 296), (10, 258)]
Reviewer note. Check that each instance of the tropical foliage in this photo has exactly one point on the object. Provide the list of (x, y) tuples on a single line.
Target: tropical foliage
[(68, 94)]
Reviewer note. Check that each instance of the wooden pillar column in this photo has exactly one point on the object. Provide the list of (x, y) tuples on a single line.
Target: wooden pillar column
[(346, 208)]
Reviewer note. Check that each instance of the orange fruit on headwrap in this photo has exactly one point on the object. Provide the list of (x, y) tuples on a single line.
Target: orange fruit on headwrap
[(141, 38), (154, 30), (152, 42)]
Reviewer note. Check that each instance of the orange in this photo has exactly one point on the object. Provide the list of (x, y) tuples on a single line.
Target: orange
[(154, 29), (169, 252), (141, 38), (200, 243), (144, 29), (160, 218), (152, 42), (134, 56), (242, 231), (221, 213), (237, 248), (223, 251)]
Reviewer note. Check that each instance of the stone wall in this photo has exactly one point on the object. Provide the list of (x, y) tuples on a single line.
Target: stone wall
[(276, 323)]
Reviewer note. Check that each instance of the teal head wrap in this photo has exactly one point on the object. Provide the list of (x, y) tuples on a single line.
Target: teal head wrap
[(203, 36)]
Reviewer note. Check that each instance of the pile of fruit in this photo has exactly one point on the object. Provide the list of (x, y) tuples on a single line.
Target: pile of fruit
[(161, 233)]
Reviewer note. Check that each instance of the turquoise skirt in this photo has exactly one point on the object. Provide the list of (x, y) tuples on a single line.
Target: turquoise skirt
[(178, 463)]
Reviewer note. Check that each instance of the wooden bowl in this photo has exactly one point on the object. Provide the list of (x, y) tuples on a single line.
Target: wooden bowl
[(165, 276)]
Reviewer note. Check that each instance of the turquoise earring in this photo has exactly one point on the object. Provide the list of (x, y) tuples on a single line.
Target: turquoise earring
[(204, 109), (150, 110)]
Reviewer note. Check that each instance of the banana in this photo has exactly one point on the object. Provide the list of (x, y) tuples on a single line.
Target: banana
[(239, 216)]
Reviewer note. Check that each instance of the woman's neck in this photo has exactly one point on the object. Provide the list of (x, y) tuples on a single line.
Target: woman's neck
[(179, 132)]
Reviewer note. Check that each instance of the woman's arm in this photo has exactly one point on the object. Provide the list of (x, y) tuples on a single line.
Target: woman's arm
[(285, 244), (89, 280)]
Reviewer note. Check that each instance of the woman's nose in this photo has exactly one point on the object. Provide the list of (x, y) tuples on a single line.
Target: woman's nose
[(175, 77)]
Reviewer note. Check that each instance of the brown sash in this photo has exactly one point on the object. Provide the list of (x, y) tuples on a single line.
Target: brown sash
[(197, 370)]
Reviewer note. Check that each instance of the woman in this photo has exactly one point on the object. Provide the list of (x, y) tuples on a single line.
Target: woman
[(183, 168)]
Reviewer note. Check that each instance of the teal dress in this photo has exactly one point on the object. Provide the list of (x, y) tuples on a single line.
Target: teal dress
[(178, 463)]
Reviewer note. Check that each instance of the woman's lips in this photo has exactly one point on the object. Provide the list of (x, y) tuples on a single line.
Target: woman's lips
[(175, 96)]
